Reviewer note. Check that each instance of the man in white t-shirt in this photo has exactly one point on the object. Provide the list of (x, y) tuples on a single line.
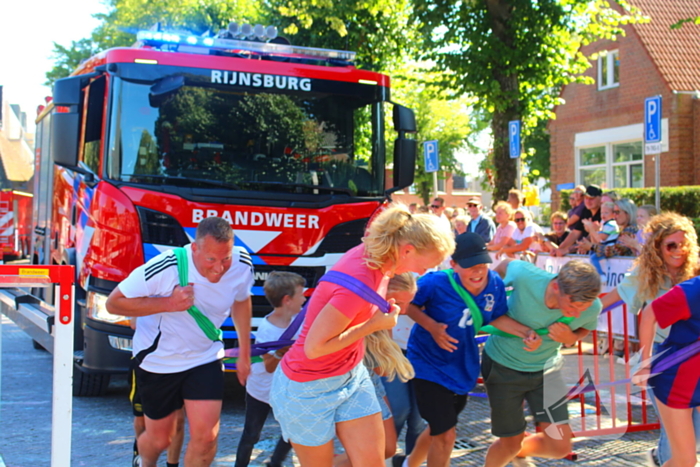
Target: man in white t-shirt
[(177, 364)]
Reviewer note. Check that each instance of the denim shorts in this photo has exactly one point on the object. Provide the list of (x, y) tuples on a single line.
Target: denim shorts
[(307, 412), (381, 392)]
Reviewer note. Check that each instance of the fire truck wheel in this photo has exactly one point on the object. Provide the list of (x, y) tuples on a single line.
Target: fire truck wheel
[(89, 384)]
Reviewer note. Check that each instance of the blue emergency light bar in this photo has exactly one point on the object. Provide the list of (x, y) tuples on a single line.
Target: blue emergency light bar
[(189, 43)]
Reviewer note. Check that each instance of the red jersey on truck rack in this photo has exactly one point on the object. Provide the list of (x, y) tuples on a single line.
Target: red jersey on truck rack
[(140, 144)]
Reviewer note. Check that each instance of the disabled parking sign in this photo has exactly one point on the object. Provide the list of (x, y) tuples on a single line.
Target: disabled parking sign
[(514, 138), (430, 153)]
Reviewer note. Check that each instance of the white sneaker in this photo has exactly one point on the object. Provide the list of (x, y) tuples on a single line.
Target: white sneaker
[(522, 462), (652, 458)]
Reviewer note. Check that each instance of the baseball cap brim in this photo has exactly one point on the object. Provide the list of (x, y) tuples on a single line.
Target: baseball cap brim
[(481, 257)]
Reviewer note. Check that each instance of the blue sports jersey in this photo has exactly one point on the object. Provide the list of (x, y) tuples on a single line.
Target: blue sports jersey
[(679, 386), (457, 370)]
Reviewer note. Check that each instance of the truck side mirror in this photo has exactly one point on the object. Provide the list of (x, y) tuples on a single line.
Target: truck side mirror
[(65, 122), (404, 119), (404, 148)]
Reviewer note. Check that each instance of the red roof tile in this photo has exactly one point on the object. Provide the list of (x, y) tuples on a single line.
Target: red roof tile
[(676, 52)]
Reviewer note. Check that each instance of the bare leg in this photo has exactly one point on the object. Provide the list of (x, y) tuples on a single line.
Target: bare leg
[(503, 450), (315, 456), (553, 442), (681, 435), (203, 417), (420, 450), (441, 448), (363, 439), (175, 448), (155, 438)]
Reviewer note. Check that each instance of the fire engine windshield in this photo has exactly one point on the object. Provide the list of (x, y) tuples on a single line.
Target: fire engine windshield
[(175, 132)]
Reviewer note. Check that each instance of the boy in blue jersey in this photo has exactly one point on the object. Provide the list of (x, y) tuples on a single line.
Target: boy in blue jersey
[(565, 307), (449, 307)]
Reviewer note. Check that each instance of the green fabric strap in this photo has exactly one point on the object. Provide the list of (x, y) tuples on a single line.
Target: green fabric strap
[(542, 332), (471, 304), (204, 323)]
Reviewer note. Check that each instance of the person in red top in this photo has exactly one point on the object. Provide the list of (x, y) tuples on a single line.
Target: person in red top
[(321, 388)]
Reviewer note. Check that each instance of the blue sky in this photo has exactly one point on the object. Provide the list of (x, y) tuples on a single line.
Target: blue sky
[(26, 44)]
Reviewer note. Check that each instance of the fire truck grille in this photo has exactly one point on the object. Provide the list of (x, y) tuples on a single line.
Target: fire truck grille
[(343, 237)]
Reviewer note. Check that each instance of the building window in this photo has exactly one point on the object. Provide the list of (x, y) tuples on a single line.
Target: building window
[(459, 182), (627, 165), (608, 69), (612, 165)]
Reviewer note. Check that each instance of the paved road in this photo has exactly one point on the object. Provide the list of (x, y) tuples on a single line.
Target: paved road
[(102, 430)]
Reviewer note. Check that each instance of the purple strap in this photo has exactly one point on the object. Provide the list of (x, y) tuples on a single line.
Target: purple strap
[(354, 285), (661, 364)]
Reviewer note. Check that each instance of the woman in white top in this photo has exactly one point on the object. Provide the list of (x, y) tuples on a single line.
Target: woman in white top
[(522, 237)]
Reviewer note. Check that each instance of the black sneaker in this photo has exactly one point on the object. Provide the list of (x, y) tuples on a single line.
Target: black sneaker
[(397, 460), (136, 461)]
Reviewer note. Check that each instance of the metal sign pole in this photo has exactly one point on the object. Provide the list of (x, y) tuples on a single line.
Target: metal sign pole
[(62, 415), (652, 140)]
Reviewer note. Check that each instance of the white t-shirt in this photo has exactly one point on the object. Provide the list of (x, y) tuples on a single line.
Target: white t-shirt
[(260, 381), (401, 332), (173, 342), (519, 236)]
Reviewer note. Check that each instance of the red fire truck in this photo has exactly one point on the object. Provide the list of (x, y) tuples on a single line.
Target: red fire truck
[(15, 224), (140, 144)]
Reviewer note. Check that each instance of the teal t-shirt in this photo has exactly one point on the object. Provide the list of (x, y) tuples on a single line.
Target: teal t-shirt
[(628, 289), (526, 305)]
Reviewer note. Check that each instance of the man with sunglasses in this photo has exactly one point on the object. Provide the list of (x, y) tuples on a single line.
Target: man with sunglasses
[(437, 207), (592, 200), (479, 224)]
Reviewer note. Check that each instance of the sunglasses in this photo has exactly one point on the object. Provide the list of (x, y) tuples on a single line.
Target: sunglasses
[(435, 206), (472, 205), (674, 246), (519, 219), (616, 211)]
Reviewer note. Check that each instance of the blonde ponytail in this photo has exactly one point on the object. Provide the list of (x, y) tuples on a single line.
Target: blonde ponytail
[(380, 349)]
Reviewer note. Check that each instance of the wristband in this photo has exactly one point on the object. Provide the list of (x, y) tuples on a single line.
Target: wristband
[(276, 355)]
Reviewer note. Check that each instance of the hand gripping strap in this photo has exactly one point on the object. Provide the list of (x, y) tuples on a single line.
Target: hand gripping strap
[(204, 323), (339, 278)]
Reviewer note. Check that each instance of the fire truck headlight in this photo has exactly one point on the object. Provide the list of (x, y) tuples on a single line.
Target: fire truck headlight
[(97, 310)]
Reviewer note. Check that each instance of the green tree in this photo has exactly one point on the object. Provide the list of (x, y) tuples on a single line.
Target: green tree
[(126, 17), (439, 116), (380, 31), (514, 56)]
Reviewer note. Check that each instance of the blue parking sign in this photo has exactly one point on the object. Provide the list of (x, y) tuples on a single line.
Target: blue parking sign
[(514, 138), (652, 119), (430, 153)]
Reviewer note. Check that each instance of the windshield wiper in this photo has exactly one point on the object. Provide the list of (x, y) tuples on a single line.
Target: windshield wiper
[(328, 189), (189, 181)]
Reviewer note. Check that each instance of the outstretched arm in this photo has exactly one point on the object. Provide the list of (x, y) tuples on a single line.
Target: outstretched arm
[(647, 328), (181, 299), (242, 314)]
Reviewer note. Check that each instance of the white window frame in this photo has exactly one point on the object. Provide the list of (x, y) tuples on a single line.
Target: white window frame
[(608, 137), (611, 58)]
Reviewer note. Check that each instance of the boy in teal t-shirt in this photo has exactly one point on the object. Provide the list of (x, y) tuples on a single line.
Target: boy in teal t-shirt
[(566, 305)]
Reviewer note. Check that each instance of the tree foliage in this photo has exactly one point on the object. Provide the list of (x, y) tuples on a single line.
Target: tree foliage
[(380, 31), (514, 56), (126, 17), (439, 116)]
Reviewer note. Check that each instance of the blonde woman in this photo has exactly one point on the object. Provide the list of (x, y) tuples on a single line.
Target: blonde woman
[(383, 357), (669, 257), (321, 387), (506, 226)]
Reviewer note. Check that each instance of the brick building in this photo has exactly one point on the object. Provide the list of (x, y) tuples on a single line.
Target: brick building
[(597, 136)]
